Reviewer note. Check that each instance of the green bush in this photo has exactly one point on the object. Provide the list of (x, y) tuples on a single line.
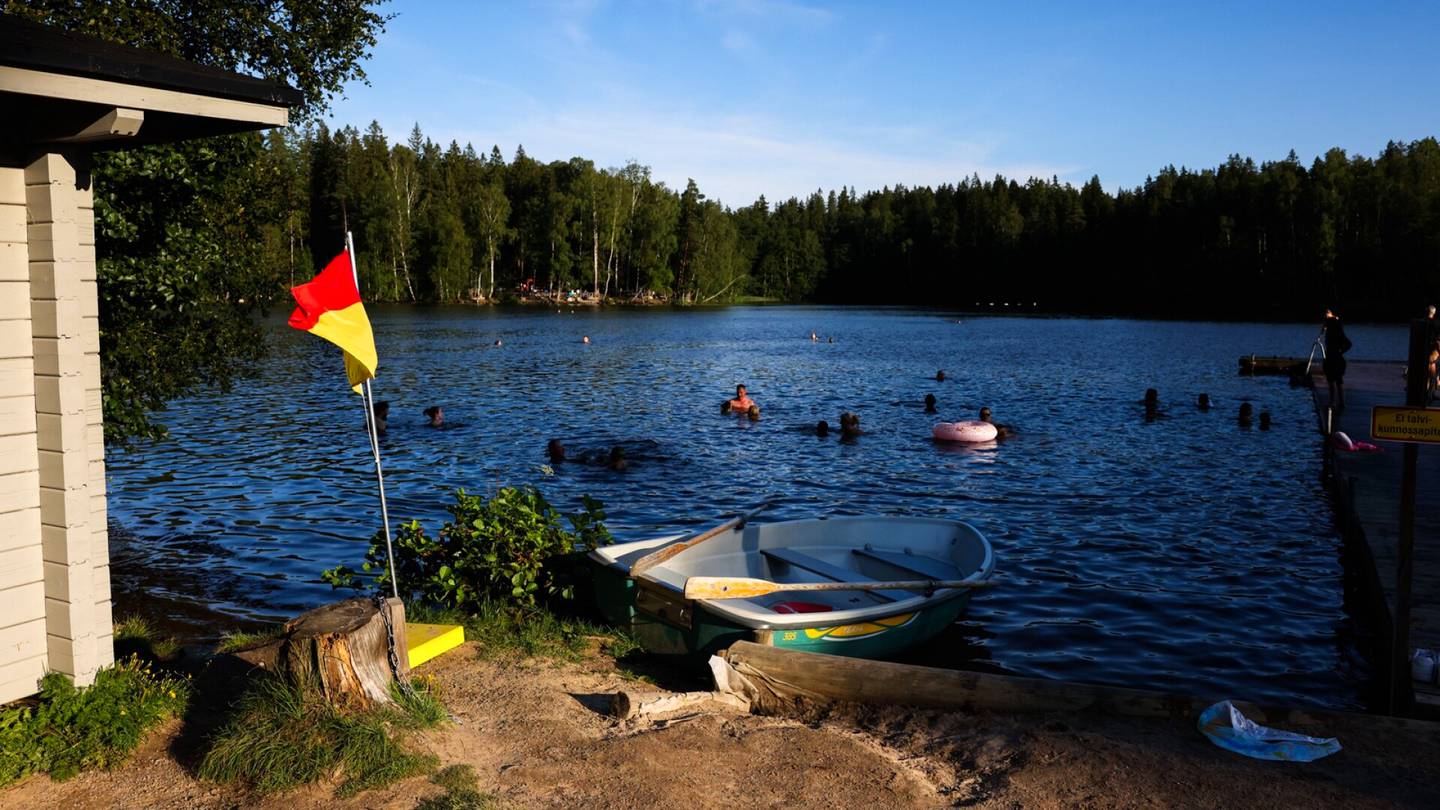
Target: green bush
[(283, 736), (73, 729), (496, 548)]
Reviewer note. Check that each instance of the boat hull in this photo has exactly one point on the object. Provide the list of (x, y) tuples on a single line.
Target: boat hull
[(663, 622)]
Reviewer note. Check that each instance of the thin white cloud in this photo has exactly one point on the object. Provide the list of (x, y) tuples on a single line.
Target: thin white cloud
[(737, 159), (778, 10), (737, 42)]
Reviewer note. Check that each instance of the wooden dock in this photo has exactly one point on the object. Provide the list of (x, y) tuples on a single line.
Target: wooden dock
[(1366, 489)]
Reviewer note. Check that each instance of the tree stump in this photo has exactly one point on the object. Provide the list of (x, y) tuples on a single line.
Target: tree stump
[(342, 649)]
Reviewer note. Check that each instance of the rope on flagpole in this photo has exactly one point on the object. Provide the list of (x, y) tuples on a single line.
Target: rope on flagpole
[(368, 399)]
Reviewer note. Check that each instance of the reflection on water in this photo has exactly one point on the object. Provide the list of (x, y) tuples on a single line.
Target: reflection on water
[(1186, 552)]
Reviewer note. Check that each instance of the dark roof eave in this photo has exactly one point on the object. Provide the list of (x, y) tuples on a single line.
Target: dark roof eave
[(24, 44)]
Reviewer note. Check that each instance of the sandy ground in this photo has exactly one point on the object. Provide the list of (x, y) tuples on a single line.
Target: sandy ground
[(537, 735)]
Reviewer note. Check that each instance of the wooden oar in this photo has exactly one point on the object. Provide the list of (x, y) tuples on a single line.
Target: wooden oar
[(664, 553), (744, 587)]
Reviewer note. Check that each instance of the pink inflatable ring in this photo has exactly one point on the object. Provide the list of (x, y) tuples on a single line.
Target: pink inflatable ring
[(971, 430)]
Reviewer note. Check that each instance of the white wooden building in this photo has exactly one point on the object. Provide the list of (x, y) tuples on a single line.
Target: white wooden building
[(63, 97)]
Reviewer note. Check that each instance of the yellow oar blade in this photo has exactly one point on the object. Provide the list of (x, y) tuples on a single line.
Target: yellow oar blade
[(726, 587)]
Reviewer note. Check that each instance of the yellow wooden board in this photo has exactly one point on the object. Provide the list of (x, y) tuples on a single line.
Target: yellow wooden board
[(429, 640), (1399, 424)]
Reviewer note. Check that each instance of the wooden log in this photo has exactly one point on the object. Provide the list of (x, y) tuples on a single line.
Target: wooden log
[(778, 681), (342, 649), (627, 705)]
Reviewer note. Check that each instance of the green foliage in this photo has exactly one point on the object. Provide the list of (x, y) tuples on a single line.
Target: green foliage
[(283, 736), (507, 632), (245, 639), (134, 635), (192, 238), (98, 726), (491, 549), (461, 791)]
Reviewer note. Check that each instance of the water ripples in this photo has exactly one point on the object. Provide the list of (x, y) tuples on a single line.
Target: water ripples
[(1185, 553)]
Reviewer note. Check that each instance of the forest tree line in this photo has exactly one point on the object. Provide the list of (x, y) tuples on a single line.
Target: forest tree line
[(440, 223)]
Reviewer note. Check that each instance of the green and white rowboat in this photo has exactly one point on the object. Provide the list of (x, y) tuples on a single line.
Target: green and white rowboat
[(859, 623)]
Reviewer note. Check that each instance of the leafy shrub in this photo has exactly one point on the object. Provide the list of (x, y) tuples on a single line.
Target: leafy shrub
[(283, 736), (496, 548), (73, 729)]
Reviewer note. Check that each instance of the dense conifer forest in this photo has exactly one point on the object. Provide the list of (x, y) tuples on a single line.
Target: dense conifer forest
[(437, 223)]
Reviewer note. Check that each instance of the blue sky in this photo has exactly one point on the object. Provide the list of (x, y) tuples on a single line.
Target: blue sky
[(779, 98)]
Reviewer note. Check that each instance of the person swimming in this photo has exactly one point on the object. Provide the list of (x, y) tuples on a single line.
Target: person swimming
[(1152, 404), (940, 376), (1203, 403), (499, 343), (822, 428), (814, 338), (742, 402), (617, 460), (930, 404), (585, 340), (850, 425), (556, 451), (436, 415), (1264, 420), (381, 413), (1001, 431), (1246, 409)]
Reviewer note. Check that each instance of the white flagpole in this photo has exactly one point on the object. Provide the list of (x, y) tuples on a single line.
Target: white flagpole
[(368, 399)]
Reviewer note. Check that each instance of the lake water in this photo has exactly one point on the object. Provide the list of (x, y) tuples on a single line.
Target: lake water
[(1187, 553)]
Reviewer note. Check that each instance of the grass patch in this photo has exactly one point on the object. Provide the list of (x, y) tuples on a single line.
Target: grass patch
[(244, 640), (282, 736), (136, 636), (67, 730), (461, 791), (510, 632)]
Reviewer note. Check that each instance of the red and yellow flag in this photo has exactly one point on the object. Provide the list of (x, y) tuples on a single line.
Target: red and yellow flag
[(330, 307)]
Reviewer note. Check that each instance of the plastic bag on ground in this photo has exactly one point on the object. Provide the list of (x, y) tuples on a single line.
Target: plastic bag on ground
[(1233, 731)]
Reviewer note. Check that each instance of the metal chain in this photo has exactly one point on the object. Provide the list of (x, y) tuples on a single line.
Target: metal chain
[(384, 608)]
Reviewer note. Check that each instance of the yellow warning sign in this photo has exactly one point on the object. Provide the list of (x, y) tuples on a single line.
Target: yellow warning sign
[(1390, 423)]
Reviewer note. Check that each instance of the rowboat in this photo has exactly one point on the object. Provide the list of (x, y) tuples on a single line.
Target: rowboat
[(859, 550)]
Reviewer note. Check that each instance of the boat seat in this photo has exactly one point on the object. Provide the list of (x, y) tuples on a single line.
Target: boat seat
[(925, 567), (831, 572)]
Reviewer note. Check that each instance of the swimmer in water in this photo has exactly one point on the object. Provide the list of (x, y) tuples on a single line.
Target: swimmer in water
[(814, 338), (1264, 420), (822, 428), (742, 402), (585, 340), (436, 415), (940, 376), (1152, 404), (849, 425), (1246, 409), (1203, 403), (556, 451), (930, 403), (617, 460), (381, 413), (1001, 431), (499, 343)]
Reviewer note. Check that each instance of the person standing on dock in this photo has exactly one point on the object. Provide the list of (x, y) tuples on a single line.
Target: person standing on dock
[(1336, 345)]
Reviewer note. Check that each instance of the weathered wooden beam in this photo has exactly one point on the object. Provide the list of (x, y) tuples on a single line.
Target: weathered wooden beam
[(778, 681)]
